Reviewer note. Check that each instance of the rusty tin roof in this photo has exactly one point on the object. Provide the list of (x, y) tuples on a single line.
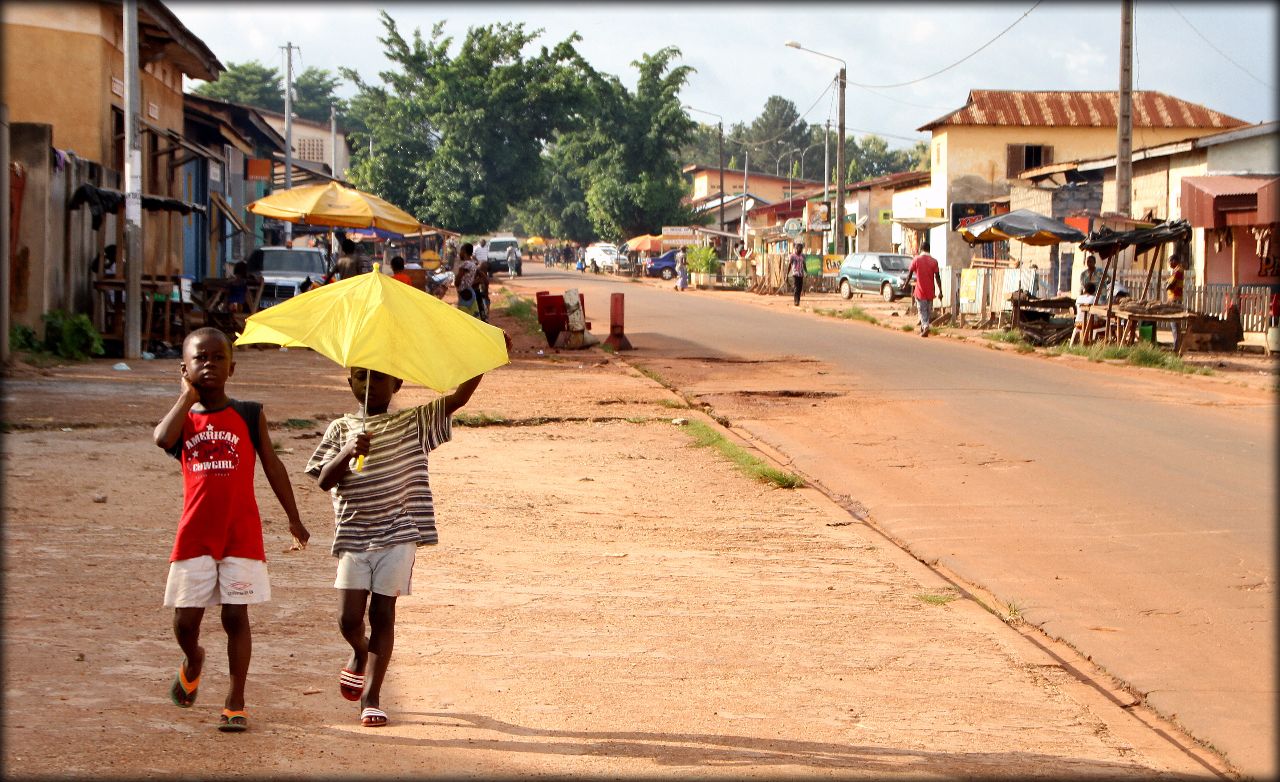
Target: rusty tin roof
[(1081, 110)]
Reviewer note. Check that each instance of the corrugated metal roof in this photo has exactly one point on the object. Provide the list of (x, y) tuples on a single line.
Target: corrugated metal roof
[(1081, 110)]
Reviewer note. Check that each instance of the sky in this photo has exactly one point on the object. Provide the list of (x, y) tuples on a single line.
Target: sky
[(908, 63)]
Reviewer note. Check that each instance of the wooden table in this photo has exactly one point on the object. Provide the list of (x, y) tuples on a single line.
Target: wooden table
[(109, 306), (1121, 327)]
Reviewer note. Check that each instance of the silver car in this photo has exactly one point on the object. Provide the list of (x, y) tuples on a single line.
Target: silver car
[(882, 273), (287, 271)]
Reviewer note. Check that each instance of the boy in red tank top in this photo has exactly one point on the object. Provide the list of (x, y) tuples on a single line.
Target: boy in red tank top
[(218, 556)]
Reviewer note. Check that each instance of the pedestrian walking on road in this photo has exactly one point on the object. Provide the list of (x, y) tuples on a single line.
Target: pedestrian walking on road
[(464, 280), (218, 555), (796, 269), (924, 267), (383, 513), (682, 270)]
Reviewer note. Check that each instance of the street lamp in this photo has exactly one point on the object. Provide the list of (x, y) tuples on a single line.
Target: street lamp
[(720, 151), (806, 151), (840, 173), (791, 167)]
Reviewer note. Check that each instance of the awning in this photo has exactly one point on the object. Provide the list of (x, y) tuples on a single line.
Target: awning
[(1225, 200), (717, 232), (919, 223)]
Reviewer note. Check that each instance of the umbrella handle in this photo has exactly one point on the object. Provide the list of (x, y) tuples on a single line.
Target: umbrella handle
[(360, 459), (359, 463)]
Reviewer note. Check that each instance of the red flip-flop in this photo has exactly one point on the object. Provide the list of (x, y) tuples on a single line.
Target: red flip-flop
[(350, 684)]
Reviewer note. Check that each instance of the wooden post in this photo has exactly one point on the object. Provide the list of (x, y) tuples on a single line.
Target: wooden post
[(1111, 296)]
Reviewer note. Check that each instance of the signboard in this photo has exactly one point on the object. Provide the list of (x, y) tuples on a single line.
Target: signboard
[(831, 264), (793, 227), (963, 214), (677, 236), (819, 215), (258, 169)]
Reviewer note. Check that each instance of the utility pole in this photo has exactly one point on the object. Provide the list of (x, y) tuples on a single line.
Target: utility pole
[(826, 165), (333, 141), (288, 129), (840, 173), (5, 227), (133, 188), (1124, 114), (746, 165), (720, 150)]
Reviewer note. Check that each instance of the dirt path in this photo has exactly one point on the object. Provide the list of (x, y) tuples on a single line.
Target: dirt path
[(607, 600)]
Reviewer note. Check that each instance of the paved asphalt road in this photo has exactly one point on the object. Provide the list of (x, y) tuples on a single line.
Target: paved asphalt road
[(1135, 521)]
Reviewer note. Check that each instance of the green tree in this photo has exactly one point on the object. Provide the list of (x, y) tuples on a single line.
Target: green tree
[(250, 83), (458, 140), (768, 138), (636, 184), (314, 91)]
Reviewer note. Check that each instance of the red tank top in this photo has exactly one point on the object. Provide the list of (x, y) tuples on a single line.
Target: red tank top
[(220, 512)]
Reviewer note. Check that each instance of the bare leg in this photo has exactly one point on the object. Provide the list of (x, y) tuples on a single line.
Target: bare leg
[(186, 628), (235, 620), (382, 629), (351, 623)]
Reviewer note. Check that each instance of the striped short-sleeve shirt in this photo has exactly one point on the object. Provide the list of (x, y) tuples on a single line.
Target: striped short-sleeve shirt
[(389, 501)]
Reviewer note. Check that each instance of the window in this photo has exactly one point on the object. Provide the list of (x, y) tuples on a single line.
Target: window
[(311, 149), (1024, 156)]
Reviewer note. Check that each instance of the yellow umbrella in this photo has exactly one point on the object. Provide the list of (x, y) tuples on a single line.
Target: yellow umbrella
[(536, 241), (379, 323), (331, 204)]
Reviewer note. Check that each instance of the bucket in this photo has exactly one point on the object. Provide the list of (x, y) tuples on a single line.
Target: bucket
[(1273, 339), (1147, 332)]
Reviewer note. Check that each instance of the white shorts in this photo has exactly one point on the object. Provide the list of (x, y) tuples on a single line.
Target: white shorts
[(201, 582), (387, 571)]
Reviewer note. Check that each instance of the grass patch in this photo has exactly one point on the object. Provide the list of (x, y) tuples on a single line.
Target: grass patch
[(850, 313), (478, 419), (907, 328), (706, 437), (935, 600), (299, 423), (636, 419), (523, 313), (1003, 335), (674, 404), (1143, 354), (655, 377)]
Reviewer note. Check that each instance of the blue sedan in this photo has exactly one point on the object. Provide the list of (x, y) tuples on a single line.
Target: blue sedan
[(663, 266)]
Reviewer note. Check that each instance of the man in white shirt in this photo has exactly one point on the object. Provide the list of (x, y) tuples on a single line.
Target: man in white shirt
[(482, 253)]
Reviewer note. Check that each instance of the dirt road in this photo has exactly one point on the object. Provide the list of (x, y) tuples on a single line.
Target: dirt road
[(606, 600)]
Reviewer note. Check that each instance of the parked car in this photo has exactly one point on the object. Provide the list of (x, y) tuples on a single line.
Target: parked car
[(605, 255), (883, 273), (498, 252), (663, 266), (287, 271)]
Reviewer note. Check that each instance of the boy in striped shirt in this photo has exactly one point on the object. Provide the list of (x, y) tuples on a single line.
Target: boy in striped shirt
[(382, 513)]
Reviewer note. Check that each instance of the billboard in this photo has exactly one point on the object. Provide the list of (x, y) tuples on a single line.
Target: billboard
[(963, 214)]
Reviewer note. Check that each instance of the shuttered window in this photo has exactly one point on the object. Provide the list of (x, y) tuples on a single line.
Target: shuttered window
[(1021, 157)]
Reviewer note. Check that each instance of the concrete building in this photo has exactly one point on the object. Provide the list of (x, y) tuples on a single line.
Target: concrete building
[(1224, 184), (978, 150), (63, 84), (314, 142), (705, 183)]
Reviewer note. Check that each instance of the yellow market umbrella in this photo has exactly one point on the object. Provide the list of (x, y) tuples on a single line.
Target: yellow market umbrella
[(377, 322), (644, 243), (333, 205), (536, 241)]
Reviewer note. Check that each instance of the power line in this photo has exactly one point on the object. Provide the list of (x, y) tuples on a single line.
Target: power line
[(952, 65), (1216, 49)]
